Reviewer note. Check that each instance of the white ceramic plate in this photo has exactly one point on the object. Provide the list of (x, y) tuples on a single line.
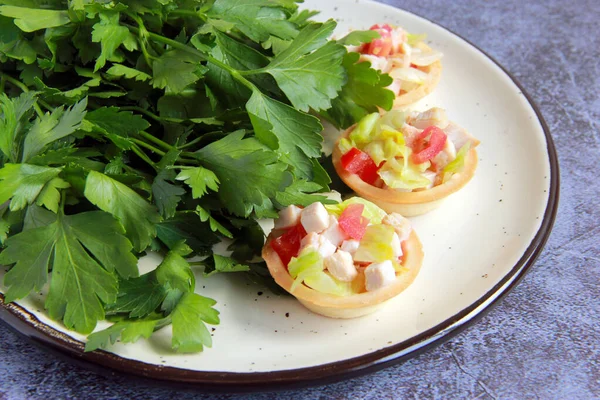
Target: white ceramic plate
[(477, 244)]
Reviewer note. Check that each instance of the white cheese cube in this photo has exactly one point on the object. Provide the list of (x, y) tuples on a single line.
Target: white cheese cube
[(318, 242), (459, 136), (431, 176), (288, 217), (410, 133), (341, 266), (398, 37), (350, 246), (396, 246), (395, 86), (379, 63), (379, 275), (445, 156), (315, 218), (434, 116), (334, 233), (400, 224)]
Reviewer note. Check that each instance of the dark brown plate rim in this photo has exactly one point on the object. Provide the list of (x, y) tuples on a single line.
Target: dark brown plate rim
[(27, 324)]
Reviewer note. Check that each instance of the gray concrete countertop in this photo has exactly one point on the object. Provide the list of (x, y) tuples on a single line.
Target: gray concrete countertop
[(542, 340)]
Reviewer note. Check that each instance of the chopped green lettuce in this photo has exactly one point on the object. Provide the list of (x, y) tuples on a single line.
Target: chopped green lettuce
[(376, 151), (345, 145), (306, 264), (414, 39), (363, 133), (409, 75), (376, 244), (458, 163), (324, 282), (402, 176), (372, 212), (394, 119)]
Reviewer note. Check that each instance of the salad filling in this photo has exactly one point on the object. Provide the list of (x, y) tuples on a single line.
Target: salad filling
[(402, 55), (343, 249), (407, 152)]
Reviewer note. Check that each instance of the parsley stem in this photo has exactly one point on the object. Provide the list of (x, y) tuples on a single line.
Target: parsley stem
[(38, 110), (24, 89), (148, 146), (45, 105), (189, 154), (142, 35), (253, 71), (15, 82), (143, 111), (180, 166), (188, 13), (143, 155), (191, 143), (184, 47), (152, 115), (156, 140), (197, 263), (187, 161)]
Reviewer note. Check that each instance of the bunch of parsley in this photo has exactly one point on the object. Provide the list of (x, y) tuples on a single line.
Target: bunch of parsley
[(161, 125)]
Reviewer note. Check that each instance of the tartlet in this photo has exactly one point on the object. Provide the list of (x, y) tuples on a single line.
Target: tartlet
[(434, 73), (403, 56), (407, 203), (356, 304)]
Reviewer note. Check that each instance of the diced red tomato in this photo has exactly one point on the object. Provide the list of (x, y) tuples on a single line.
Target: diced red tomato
[(288, 245), (352, 222), (386, 27), (360, 163), (424, 150), (381, 47)]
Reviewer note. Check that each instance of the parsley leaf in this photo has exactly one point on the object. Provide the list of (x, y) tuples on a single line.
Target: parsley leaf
[(190, 334), (356, 38), (23, 183), (15, 115), (257, 19), (217, 264), (199, 179), (175, 271), (215, 225), (128, 331), (67, 97), (364, 92), (188, 317), (13, 43), (51, 127), (79, 282), (249, 240), (233, 155), (4, 229), (175, 70), (166, 195), (310, 70), (34, 19), (113, 120), (294, 133), (137, 215), (186, 227), (243, 57), (111, 35), (49, 197), (122, 71), (298, 193), (138, 297)]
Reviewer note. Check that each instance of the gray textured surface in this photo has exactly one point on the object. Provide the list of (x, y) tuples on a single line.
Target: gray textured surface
[(542, 340)]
